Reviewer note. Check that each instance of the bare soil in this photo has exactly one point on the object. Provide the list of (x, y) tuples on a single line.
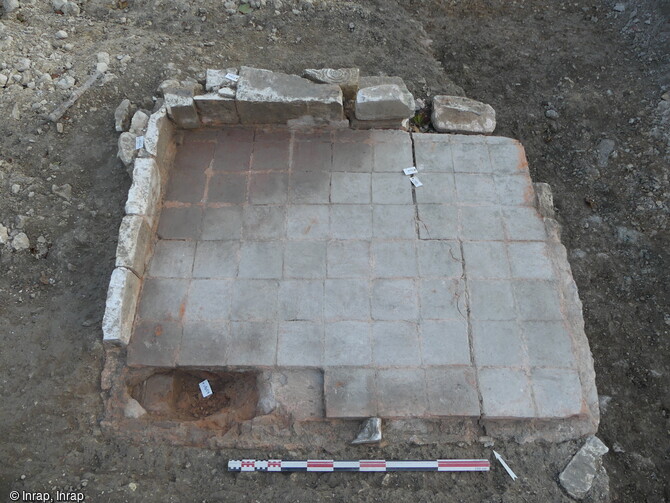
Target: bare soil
[(603, 71)]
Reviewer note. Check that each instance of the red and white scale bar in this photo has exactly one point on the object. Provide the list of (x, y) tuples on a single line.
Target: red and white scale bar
[(364, 465)]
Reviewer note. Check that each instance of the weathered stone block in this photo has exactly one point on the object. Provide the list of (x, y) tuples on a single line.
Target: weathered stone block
[(456, 114), (145, 192), (383, 102), (122, 295), (181, 109), (578, 476), (384, 124), (346, 78), (265, 97), (157, 133), (132, 250), (216, 110)]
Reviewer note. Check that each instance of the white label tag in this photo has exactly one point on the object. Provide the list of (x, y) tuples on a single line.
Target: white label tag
[(410, 171), (139, 142), (415, 181), (233, 77), (205, 388)]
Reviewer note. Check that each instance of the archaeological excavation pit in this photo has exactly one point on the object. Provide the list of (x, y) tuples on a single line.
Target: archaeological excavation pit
[(299, 250)]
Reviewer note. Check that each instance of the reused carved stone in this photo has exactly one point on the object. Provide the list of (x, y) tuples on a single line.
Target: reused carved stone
[(346, 78)]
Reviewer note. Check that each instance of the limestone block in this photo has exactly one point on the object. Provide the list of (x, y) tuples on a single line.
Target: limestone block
[(158, 133), (132, 250), (346, 78), (122, 296), (265, 97), (158, 140), (145, 192), (383, 102), (181, 109), (379, 81), (456, 114), (216, 110)]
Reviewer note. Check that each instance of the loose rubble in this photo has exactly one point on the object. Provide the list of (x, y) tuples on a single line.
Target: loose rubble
[(66, 7), (64, 191), (20, 242), (4, 235)]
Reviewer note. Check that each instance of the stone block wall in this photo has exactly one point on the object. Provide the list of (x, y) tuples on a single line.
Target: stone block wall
[(149, 166)]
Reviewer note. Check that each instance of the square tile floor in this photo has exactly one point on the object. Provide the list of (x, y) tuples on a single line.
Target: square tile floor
[(281, 249)]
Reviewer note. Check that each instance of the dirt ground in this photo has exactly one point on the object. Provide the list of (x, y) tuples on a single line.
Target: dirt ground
[(602, 68)]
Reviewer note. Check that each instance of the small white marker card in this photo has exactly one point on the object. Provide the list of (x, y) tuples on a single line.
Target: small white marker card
[(205, 388), (233, 77), (415, 181), (139, 142), (410, 171)]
